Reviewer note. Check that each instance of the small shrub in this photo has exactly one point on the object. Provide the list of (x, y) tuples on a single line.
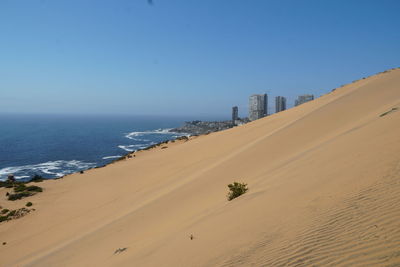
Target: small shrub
[(12, 213), (34, 188), (6, 184), (20, 195), (4, 211), (29, 204), (236, 189), (21, 191), (19, 188), (15, 214)]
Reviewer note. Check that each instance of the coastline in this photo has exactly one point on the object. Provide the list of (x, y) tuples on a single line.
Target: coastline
[(188, 129), (60, 166), (59, 145), (130, 155)]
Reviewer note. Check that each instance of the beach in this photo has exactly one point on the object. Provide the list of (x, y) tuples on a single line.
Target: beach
[(323, 191)]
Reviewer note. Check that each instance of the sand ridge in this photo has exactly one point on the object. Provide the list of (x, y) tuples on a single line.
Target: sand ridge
[(323, 191)]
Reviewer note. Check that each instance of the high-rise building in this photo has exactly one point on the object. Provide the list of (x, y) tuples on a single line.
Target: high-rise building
[(235, 114), (257, 106), (280, 103), (303, 99), (265, 105)]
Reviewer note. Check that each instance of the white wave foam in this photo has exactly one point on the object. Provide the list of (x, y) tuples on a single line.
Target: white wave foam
[(112, 157), (21, 177), (130, 148), (56, 168), (138, 139), (133, 135), (136, 136)]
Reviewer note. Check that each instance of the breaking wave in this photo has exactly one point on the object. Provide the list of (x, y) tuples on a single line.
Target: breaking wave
[(50, 169), (145, 139), (112, 157), (131, 148), (135, 135)]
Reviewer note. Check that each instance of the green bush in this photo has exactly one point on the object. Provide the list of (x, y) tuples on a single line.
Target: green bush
[(19, 195), (21, 191), (34, 188), (29, 204), (236, 189), (19, 188), (6, 184), (4, 211), (15, 214), (12, 213)]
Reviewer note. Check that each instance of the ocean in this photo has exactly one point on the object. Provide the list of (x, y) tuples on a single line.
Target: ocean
[(55, 145)]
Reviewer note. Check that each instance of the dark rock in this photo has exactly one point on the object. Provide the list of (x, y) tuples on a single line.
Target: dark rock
[(203, 127)]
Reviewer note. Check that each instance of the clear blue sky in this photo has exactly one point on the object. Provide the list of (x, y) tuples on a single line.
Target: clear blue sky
[(192, 57)]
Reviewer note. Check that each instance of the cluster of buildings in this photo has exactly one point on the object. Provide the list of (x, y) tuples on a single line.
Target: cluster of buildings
[(258, 106)]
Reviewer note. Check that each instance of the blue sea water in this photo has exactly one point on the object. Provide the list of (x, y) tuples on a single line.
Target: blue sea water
[(56, 145)]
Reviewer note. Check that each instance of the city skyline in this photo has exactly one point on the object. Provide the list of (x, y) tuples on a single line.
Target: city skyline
[(259, 107)]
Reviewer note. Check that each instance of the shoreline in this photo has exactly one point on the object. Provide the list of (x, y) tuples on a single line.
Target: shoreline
[(133, 154), (187, 130), (27, 178), (18, 204)]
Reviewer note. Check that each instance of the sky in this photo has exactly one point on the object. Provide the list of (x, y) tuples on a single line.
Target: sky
[(186, 57)]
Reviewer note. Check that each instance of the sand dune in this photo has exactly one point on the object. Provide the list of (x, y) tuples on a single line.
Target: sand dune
[(324, 191)]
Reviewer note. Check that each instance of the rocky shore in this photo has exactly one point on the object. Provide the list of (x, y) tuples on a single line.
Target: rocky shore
[(203, 127)]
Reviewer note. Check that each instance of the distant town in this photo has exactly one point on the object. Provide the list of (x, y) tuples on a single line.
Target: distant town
[(258, 107)]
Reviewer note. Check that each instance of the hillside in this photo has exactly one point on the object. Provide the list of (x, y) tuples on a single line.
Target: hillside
[(323, 185)]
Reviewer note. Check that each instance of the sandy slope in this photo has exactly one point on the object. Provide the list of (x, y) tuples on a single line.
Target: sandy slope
[(324, 190)]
